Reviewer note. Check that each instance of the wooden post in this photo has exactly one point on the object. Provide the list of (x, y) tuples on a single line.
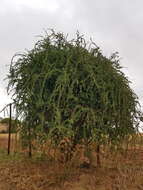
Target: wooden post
[(30, 145), (98, 155), (9, 131)]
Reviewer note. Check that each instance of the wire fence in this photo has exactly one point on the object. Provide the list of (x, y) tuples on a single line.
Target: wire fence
[(6, 127)]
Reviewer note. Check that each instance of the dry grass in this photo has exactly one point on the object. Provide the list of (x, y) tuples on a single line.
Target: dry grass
[(5, 136), (3, 127), (4, 141), (121, 170)]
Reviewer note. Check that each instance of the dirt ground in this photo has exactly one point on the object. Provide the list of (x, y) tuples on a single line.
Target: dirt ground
[(28, 175), (118, 172)]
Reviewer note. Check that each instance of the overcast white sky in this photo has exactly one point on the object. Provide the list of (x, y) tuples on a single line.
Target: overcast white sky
[(115, 25)]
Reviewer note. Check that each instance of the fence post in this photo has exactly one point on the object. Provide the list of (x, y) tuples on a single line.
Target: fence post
[(9, 131), (98, 155), (30, 145)]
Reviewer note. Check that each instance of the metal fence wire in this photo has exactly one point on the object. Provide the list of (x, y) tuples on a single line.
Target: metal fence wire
[(8, 138)]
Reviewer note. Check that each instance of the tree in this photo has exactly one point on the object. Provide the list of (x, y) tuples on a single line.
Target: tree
[(14, 124), (69, 88)]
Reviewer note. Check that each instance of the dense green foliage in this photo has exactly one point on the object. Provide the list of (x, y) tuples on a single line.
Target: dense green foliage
[(68, 88)]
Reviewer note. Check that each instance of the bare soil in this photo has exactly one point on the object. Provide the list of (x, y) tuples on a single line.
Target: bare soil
[(118, 172)]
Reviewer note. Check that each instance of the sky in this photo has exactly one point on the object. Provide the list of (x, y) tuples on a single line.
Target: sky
[(115, 25)]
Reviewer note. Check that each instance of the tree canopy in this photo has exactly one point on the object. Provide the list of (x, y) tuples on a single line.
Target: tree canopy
[(69, 88)]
